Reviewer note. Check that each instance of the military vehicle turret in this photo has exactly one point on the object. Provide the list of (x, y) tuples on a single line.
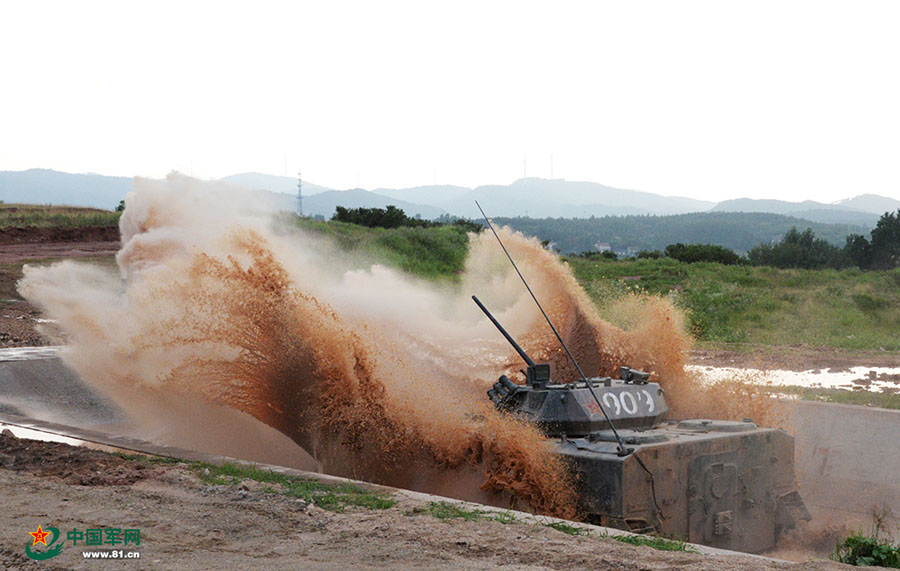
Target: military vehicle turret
[(719, 483)]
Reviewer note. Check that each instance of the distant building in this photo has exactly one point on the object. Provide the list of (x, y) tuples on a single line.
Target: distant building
[(602, 247)]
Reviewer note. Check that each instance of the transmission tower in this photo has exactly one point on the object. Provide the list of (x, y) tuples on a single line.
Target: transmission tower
[(299, 194)]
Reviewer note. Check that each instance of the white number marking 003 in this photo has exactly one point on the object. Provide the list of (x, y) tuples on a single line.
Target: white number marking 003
[(627, 402), (651, 408), (614, 404), (626, 398)]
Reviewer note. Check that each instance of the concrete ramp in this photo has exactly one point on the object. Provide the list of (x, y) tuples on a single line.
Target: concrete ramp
[(848, 461), (35, 382), (36, 386)]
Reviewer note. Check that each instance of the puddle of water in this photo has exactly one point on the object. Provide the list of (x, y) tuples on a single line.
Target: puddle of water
[(875, 379), (20, 432), (29, 353)]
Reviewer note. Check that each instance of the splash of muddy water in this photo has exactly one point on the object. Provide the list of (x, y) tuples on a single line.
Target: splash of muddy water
[(378, 375)]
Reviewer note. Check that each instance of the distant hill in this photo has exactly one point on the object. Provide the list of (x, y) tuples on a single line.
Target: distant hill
[(832, 216), (767, 205), (44, 186), (739, 231), (429, 195), (283, 184), (871, 203), (547, 197), (841, 213)]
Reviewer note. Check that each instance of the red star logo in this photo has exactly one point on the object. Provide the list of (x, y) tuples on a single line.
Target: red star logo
[(40, 536), (594, 408)]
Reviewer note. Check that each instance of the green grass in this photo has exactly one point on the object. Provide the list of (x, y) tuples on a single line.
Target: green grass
[(437, 253), (147, 459), (43, 216), (848, 309), (332, 497), (445, 511), (652, 541), (660, 543), (566, 528)]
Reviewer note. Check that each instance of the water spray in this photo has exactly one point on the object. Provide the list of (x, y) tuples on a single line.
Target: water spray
[(623, 451)]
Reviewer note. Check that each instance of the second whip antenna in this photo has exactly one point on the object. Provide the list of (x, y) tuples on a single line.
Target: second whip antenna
[(622, 450)]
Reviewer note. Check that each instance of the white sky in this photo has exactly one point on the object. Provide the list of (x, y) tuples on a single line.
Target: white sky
[(714, 100)]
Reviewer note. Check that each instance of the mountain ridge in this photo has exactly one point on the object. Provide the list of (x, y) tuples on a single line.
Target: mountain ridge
[(534, 197)]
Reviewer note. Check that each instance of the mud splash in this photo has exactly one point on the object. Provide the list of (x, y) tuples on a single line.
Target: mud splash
[(379, 376)]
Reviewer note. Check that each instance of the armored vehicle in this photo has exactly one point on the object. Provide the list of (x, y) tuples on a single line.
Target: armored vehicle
[(719, 483)]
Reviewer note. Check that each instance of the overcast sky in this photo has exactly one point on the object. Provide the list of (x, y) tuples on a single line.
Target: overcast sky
[(714, 100)]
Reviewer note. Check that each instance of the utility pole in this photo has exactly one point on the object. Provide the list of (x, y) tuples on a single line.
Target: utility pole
[(299, 194)]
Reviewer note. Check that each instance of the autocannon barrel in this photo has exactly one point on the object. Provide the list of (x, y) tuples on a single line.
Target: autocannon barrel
[(509, 338)]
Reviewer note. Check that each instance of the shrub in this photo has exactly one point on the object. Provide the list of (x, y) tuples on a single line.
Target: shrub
[(885, 249), (691, 253), (799, 250), (865, 551), (649, 255)]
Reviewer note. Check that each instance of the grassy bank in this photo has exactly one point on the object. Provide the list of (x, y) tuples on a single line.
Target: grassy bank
[(434, 253), (44, 216), (848, 309)]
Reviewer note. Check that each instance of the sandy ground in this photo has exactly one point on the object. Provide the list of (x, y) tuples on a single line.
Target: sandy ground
[(187, 524)]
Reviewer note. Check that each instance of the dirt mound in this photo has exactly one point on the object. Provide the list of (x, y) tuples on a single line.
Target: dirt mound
[(35, 235), (70, 464)]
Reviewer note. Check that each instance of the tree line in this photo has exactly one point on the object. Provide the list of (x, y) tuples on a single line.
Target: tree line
[(393, 217), (881, 251), (796, 249), (738, 231)]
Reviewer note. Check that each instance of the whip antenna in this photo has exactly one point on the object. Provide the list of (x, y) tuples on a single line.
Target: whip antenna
[(622, 450)]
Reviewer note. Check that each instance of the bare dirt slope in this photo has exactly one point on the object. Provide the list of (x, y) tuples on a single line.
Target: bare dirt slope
[(20, 321), (187, 524)]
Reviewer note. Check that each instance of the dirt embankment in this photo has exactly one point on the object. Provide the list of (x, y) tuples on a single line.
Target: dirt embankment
[(36, 235), (18, 244), (185, 523), (19, 320)]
